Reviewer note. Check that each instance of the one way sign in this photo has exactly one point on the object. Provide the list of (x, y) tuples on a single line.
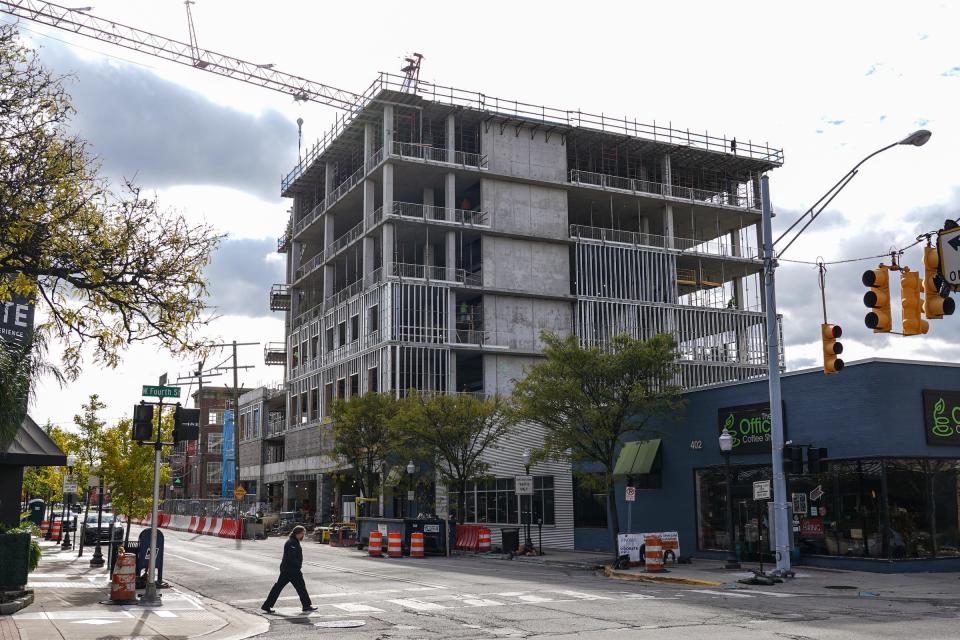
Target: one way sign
[(948, 246)]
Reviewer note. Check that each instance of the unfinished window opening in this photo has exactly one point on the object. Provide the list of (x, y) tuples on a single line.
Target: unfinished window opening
[(354, 328), (355, 385), (341, 334), (373, 379), (342, 388), (373, 318), (328, 339)]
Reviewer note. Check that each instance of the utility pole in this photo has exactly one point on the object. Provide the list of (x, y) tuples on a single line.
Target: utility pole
[(236, 420)]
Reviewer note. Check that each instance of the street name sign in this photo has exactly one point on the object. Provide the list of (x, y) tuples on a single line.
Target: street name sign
[(948, 246), (156, 391), (524, 485), (761, 490), (631, 494)]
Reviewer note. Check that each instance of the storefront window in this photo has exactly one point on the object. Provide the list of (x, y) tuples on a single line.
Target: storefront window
[(946, 504), (749, 516), (589, 505), (909, 508), (852, 523)]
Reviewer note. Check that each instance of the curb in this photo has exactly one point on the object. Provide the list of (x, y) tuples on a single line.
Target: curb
[(584, 566), (238, 624), (610, 572)]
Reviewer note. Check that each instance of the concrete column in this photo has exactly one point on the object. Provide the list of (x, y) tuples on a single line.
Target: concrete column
[(451, 138), (451, 255), (367, 144), (328, 179), (755, 185), (450, 195), (387, 189), (329, 230), (428, 198), (368, 259), (387, 129), (644, 225), (452, 371), (388, 247), (668, 225), (428, 257), (667, 176), (328, 280), (369, 193)]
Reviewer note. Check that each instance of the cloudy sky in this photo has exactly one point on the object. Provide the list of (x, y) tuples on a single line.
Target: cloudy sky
[(827, 82)]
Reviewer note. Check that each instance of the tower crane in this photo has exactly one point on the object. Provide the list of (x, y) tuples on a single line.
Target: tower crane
[(78, 20)]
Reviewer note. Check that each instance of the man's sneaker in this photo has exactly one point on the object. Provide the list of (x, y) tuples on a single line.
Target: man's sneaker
[(310, 608), (268, 609)]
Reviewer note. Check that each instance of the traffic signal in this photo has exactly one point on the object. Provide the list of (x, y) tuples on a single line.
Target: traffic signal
[(142, 422), (878, 298), (792, 459), (913, 324), (816, 460), (831, 348), (178, 481), (935, 306), (186, 424)]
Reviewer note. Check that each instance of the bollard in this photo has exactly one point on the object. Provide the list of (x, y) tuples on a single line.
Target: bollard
[(375, 545), (416, 545)]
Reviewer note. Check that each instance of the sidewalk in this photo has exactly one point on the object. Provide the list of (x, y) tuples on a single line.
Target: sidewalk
[(589, 560), (68, 604), (808, 580)]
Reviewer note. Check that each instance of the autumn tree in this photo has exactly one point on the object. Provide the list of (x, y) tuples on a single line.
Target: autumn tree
[(127, 468), (108, 267), (588, 399), (362, 435), (452, 431)]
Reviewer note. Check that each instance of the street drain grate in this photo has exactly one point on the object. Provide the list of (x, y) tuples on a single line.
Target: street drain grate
[(839, 586), (340, 624)]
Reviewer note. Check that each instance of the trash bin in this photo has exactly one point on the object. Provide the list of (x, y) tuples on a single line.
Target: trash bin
[(37, 508), (510, 539)]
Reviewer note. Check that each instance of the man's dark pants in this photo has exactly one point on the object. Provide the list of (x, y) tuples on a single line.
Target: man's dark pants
[(296, 579)]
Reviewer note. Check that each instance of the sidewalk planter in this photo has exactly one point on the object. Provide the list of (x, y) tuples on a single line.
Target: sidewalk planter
[(14, 560)]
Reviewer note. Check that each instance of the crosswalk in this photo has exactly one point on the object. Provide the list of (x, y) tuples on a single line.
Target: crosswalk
[(438, 601)]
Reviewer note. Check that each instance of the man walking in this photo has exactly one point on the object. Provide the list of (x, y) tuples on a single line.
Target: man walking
[(290, 572)]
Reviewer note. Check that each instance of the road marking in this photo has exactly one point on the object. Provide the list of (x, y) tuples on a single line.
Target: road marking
[(535, 599), (775, 594), (482, 602), (316, 596), (583, 596), (97, 622), (418, 605), (172, 555), (728, 594), (164, 614), (353, 607)]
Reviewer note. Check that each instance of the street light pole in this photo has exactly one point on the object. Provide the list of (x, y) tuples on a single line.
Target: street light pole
[(71, 460), (410, 469), (781, 516), (97, 559), (526, 467), (726, 444)]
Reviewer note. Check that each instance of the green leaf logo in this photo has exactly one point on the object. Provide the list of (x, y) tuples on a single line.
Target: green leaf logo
[(941, 424), (728, 422)]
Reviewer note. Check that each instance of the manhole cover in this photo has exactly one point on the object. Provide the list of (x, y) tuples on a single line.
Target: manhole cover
[(340, 624), (838, 586)]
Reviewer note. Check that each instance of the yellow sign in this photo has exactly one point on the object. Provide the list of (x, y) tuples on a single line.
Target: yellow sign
[(239, 492)]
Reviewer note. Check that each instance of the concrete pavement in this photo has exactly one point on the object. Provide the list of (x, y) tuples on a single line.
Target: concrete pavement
[(69, 604)]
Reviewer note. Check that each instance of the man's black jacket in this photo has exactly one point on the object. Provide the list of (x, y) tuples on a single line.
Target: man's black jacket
[(292, 557)]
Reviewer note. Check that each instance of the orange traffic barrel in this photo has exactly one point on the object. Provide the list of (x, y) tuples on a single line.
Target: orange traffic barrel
[(653, 554), (123, 586), (416, 545), (394, 548), (376, 544), (483, 545)]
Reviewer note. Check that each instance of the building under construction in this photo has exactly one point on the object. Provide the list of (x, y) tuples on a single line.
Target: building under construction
[(435, 233)]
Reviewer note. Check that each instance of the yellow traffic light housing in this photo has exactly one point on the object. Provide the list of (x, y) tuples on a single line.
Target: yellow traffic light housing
[(913, 324), (831, 348), (935, 306), (877, 299)]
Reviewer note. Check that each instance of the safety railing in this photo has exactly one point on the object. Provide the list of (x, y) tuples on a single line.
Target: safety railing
[(429, 153), (344, 294), (345, 239), (436, 213), (309, 266), (716, 247), (740, 200), (275, 426), (275, 353)]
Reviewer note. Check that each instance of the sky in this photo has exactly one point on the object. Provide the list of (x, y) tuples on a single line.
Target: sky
[(828, 83)]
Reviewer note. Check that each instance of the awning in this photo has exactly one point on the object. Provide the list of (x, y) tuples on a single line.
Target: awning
[(637, 458), (31, 446)]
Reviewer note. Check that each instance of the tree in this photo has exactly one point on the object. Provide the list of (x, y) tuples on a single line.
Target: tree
[(589, 398), (47, 482), (453, 431), (127, 468), (362, 435), (19, 364), (109, 268), (89, 438)]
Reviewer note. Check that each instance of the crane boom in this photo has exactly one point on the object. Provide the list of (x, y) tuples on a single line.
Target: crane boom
[(80, 22)]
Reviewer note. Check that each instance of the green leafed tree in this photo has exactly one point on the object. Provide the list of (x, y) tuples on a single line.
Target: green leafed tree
[(128, 469), (363, 437), (452, 431), (106, 267), (589, 399)]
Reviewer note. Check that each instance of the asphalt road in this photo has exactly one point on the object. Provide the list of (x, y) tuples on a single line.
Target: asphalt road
[(468, 597)]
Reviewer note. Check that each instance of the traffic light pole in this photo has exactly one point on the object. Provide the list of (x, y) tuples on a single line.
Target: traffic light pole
[(150, 596), (781, 517)]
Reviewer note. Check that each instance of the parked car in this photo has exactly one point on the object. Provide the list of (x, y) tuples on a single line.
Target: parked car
[(90, 528)]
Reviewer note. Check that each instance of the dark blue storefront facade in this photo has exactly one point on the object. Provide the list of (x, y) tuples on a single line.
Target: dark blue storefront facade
[(888, 500)]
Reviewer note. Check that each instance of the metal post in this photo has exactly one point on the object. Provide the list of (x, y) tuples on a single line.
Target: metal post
[(732, 561), (97, 559), (780, 516), (236, 441), (66, 537), (150, 596)]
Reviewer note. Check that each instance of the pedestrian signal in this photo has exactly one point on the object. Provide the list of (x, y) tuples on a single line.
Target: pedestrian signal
[(877, 299), (935, 306), (142, 422)]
